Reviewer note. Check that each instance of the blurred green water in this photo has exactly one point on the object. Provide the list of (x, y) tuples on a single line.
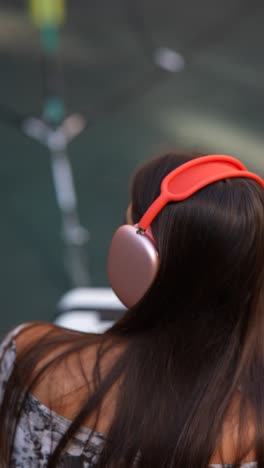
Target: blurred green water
[(215, 104)]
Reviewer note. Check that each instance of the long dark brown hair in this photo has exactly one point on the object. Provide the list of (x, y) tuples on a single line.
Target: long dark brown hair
[(193, 342)]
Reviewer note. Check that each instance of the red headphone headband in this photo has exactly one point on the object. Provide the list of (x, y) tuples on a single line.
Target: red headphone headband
[(190, 177)]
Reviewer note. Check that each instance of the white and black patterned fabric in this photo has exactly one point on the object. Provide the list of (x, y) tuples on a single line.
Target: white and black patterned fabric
[(40, 429)]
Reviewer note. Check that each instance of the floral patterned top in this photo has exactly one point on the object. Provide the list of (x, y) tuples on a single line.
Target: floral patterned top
[(40, 429)]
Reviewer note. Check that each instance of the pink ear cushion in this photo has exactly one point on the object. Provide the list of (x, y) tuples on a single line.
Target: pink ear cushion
[(132, 264)]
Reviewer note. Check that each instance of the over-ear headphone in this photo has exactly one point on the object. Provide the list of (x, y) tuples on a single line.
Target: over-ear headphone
[(133, 260)]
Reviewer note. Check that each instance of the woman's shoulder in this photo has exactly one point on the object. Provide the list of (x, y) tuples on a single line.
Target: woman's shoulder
[(68, 359), (30, 333), (8, 343), (24, 333), (19, 339), (10, 336), (16, 348)]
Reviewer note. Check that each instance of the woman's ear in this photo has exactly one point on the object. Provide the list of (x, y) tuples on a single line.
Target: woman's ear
[(129, 219)]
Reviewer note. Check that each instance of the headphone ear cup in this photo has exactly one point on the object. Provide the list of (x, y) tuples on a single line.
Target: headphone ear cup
[(133, 264)]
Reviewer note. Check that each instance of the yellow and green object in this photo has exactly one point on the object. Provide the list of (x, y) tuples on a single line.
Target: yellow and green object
[(48, 16)]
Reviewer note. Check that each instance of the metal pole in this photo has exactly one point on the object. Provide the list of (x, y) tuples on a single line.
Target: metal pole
[(55, 132)]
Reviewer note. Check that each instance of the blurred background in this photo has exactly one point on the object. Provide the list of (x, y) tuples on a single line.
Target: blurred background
[(146, 76)]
